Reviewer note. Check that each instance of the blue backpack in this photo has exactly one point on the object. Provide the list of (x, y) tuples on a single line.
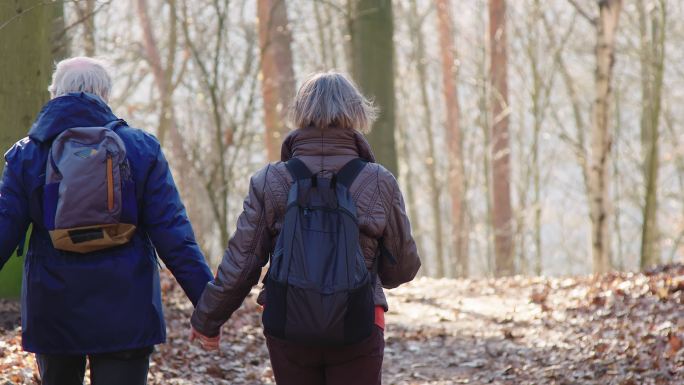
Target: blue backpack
[(318, 288), (89, 196)]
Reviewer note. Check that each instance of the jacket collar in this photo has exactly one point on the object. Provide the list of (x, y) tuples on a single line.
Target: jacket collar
[(313, 141), (78, 109)]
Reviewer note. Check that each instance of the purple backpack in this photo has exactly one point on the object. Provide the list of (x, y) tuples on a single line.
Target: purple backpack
[(89, 195)]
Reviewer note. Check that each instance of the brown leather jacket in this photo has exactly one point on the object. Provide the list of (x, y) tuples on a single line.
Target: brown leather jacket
[(381, 214)]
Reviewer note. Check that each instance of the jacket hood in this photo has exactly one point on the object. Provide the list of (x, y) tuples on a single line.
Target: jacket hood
[(313, 141), (78, 109)]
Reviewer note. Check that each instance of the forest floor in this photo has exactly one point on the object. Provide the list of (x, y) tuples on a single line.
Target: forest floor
[(622, 328)]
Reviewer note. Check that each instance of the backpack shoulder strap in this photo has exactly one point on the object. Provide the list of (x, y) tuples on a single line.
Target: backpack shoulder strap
[(348, 173), (115, 123), (298, 169)]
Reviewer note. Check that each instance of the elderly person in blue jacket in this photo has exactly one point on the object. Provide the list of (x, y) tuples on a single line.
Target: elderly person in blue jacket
[(104, 305)]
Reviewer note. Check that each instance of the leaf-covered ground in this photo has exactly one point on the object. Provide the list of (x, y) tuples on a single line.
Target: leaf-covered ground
[(625, 329)]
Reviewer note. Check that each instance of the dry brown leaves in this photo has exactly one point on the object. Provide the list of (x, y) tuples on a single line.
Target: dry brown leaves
[(615, 329), (621, 328)]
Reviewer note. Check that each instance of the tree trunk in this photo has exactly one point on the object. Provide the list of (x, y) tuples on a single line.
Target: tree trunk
[(601, 136), (450, 67), (484, 123), (501, 189), (277, 81), (539, 95), (372, 29), (25, 74), (619, 261), (652, 71)]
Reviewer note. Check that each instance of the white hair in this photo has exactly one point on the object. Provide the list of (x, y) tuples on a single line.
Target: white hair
[(331, 99), (81, 74)]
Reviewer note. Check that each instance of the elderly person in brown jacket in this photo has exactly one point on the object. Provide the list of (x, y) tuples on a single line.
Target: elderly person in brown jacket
[(330, 114)]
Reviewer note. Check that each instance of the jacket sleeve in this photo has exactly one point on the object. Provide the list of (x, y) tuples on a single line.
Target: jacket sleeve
[(400, 262), (246, 254), (166, 222), (14, 210)]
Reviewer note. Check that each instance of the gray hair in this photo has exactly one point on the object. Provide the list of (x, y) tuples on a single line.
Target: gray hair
[(331, 99), (81, 74)]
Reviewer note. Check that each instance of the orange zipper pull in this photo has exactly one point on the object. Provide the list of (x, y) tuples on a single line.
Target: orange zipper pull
[(110, 183)]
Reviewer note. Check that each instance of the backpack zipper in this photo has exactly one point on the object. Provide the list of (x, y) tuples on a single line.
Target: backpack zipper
[(110, 183)]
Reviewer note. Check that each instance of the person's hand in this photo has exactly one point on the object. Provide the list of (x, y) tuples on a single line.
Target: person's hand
[(208, 343)]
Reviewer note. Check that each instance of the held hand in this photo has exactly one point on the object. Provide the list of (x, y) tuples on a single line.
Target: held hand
[(207, 343)]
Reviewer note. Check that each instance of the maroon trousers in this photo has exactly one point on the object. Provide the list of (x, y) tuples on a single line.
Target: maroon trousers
[(358, 364)]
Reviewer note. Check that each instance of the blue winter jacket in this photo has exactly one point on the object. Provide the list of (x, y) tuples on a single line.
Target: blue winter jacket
[(108, 300)]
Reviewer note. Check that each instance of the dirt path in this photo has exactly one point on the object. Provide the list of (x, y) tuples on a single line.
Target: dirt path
[(624, 330), (443, 332), (621, 329)]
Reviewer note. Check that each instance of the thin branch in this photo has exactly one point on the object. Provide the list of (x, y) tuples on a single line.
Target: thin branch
[(80, 20), (334, 6), (592, 20), (48, 2)]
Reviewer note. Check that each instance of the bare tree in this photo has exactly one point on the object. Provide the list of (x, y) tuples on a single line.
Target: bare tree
[(601, 133), (277, 80), (86, 12), (163, 72), (230, 87), (419, 58), (450, 66), (500, 158), (325, 34), (166, 80), (578, 143), (484, 120), (542, 53), (652, 25)]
